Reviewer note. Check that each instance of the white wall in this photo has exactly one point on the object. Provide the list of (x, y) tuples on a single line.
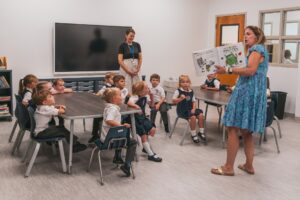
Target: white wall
[(283, 79), (169, 31)]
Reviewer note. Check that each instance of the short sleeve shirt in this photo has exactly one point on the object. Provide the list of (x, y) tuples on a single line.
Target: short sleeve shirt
[(130, 51)]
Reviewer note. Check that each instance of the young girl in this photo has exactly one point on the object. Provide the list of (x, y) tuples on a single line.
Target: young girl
[(112, 118), (109, 83), (144, 126), (59, 87), (186, 107), (27, 86)]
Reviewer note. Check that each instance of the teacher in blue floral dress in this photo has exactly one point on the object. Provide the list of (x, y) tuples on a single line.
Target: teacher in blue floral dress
[(246, 109)]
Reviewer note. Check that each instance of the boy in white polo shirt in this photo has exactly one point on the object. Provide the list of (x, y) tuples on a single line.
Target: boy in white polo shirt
[(159, 101), (43, 115)]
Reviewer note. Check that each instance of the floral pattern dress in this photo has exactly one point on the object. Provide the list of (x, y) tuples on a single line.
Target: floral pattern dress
[(247, 105)]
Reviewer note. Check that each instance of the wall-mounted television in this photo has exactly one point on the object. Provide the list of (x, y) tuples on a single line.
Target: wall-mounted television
[(86, 49)]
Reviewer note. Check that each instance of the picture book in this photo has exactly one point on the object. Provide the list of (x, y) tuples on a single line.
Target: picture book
[(229, 56)]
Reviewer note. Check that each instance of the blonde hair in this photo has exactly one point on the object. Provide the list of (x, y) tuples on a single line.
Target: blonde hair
[(109, 75), (41, 96), (110, 93), (138, 87), (182, 78)]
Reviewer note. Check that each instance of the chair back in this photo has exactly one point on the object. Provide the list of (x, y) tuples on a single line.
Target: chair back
[(270, 113), (116, 138), (18, 99), (22, 115), (32, 120)]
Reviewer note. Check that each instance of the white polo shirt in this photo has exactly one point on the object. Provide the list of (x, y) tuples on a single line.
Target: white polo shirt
[(111, 112), (43, 115), (158, 93)]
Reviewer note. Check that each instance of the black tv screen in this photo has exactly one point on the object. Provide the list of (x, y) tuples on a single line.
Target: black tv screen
[(87, 48)]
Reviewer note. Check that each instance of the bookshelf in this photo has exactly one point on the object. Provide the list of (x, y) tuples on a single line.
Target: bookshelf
[(6, 97)]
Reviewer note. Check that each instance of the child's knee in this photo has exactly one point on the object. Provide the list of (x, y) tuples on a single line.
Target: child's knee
[(144, 138)]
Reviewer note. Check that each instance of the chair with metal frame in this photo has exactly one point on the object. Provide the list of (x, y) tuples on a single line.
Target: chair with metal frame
[(269, 121), (37, 142), (116, 139), (18, 99)]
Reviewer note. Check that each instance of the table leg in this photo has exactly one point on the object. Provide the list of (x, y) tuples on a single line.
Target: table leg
[(133, 133), (71, 146)]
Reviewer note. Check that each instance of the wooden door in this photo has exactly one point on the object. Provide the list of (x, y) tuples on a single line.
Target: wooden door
[(230, 28)]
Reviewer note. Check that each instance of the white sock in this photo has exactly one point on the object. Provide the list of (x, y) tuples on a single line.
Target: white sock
[(147, 148), (201, 130), (193, 132)]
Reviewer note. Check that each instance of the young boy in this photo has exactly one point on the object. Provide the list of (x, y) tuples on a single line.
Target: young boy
[(211, 83), (158, 103), (43, 115), (59, 87)]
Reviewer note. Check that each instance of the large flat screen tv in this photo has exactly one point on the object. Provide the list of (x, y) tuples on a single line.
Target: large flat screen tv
[(81, 48)]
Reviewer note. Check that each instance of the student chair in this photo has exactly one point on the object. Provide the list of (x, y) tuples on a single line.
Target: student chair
[(269, 121), (219, 109), (37, 142), (23, 122), (187, 129), (116, 139), (18, 99)]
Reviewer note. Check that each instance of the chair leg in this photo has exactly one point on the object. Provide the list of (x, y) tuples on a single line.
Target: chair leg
[(185, 133), (84, 129), (16, 142), (278, 125), (20, 140), (13, 132), (174, 126), (53, 148), (37, 148), (100, 168), (205, 113), (260, 138), (62, 156), (278, 151), (91, 158), (27, 150)]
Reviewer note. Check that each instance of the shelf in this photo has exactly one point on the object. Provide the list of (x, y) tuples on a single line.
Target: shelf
[(5, 88), (5, 115), (5, 101)]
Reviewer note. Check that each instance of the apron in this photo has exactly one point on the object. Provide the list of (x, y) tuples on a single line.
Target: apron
[(129, 81)]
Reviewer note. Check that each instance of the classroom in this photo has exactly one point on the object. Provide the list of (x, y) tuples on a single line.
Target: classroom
[(140, 99)]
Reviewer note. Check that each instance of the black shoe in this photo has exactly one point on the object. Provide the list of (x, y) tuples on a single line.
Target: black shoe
[(202, 136), (118, 160), (195, 139), (79, 147), (126, 170), (93, 138), (167, 129), (144, 151), (154, 158)]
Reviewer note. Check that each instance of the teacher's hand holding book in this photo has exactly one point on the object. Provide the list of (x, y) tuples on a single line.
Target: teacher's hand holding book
[(220, 69)]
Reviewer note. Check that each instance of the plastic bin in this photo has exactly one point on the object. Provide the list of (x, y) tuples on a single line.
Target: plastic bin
[(279, 99)]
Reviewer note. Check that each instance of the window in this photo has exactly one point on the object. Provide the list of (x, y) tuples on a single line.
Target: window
[(282, 30)]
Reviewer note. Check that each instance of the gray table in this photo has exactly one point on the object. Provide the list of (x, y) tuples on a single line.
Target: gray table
[(83, 105), (217, 97)]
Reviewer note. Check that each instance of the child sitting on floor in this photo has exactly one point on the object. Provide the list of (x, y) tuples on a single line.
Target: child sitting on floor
[(43, 115), (186, 108), (112, 118), (144, 126)]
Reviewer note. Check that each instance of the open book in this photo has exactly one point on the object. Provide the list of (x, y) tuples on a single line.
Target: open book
[(229, 56)]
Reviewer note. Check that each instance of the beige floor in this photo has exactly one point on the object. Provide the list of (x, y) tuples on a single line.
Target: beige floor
[(183, 174)]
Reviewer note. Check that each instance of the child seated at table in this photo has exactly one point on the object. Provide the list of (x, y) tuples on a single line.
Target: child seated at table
[(45, 110), (59, 87), (27, 86), (144, 127), (159, 101), (45, 85), (109, 83), (112, 118), (211, 83), (186, 108)]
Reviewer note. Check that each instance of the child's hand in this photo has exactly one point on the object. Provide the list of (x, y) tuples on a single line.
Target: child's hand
[(60, 107), (126, 125), (182, 97), (61, 111), (203, 86), (193, 110), (157, 106)]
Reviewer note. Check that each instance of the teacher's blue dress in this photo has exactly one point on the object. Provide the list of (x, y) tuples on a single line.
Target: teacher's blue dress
[(247, 105)]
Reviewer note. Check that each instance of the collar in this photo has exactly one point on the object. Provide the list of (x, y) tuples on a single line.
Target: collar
[(111, 105), (185, 90), (29, 89)]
